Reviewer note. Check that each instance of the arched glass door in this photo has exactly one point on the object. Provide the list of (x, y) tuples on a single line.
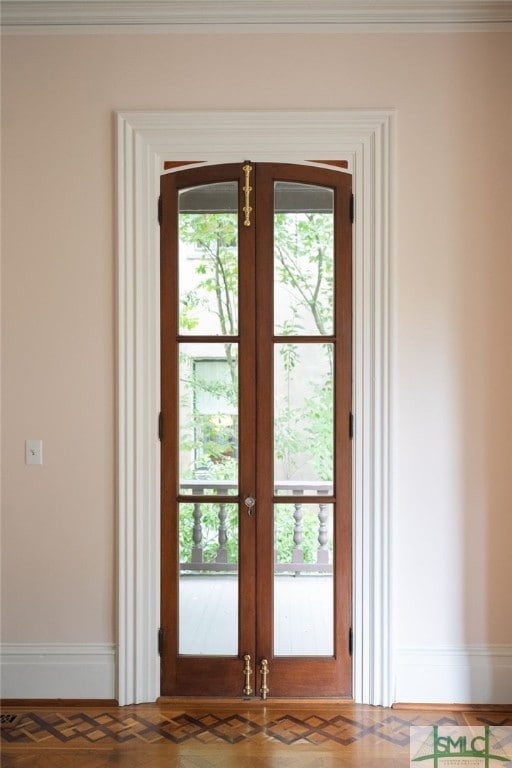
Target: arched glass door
[(256, 454)]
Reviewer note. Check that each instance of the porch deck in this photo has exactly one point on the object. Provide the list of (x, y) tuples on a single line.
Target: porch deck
[(302, 616)]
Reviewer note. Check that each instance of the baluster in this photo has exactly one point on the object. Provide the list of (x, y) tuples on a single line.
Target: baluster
[(197, 535), (322, 555), (222, 552), (298, 553)]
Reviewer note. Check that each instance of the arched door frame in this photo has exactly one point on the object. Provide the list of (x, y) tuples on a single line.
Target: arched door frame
[(144, 141)]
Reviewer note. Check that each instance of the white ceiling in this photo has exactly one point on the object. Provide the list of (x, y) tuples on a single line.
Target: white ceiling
[(68, 16)]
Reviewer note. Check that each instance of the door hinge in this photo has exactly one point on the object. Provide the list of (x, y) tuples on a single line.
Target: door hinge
[(350, 641), (160, 641), (160, 426), (351, 425), (351, 208), (160, 209)]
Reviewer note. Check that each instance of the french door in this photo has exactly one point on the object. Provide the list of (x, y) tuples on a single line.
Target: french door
[(256, 389)]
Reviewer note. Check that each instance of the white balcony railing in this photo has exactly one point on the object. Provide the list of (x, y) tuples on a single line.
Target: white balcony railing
[(308, 527)]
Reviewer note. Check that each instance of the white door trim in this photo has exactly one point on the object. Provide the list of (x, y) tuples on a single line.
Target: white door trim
[(144, 141)]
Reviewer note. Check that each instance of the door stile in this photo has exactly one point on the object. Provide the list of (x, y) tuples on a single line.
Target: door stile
[(169, 435), (264, 456), (247, 425), (343, 443)]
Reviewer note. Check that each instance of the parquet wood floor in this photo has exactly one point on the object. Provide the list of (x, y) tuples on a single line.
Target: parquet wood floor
[(327, 735)]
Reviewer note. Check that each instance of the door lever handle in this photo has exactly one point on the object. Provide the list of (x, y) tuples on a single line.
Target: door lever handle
[(250, 504)]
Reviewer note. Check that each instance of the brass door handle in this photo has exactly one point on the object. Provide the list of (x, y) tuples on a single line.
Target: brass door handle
[(247, 675), (247, 169), (264, 690)]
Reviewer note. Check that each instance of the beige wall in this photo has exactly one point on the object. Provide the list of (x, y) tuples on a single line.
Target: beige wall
[(452, 308)]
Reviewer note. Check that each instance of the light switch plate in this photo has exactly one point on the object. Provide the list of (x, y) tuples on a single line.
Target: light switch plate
[(33, 451)]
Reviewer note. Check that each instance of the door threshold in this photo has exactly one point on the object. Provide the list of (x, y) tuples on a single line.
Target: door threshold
[(223, 702)]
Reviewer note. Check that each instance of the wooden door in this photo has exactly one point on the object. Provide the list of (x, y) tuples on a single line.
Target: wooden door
[(256, 453)]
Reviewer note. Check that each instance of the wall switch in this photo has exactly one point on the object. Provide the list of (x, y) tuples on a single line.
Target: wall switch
[(33, 451)]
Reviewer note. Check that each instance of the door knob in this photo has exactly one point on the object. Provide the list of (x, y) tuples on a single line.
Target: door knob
[(250, 504)]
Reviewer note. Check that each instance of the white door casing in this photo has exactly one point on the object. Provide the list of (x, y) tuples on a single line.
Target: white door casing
[(144, 141)]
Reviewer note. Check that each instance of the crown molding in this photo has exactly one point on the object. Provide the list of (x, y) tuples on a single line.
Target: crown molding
[(105, 16)]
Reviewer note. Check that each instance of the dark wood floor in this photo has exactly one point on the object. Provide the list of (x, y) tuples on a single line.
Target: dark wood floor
[(216, 735)]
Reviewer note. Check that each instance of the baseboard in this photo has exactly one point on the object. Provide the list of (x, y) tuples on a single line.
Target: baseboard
[(466, 708), (6, 704), (443, 675), (471, 674), (58, 671)]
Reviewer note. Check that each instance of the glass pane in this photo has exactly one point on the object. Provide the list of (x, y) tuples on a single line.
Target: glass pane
[(208, 588), (303, 259), (208, 260), (303, 418), (208, 415), (303, 580)]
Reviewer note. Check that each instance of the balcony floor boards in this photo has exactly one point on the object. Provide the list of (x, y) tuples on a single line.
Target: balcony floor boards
[(303, 615)]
